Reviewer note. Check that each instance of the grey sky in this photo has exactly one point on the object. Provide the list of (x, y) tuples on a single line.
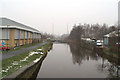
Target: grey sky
[(41, 14)]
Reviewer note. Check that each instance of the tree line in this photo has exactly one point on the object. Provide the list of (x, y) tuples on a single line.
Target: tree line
[(93, 31), (47, 35)]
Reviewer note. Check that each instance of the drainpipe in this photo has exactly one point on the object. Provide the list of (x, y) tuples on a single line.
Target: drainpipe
[(7, 36)]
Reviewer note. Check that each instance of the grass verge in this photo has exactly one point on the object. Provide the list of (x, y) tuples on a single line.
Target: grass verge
[(12, 64), (20, 47)]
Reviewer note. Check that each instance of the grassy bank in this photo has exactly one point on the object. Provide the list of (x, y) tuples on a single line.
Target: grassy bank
[(12, 64), (108, 52)]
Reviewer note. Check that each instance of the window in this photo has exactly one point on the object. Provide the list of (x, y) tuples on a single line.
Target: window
[(29, 35), (25, 34), (5, 33), (16, 34), (22, 35)]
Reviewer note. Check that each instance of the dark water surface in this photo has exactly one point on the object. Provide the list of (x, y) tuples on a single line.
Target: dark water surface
[(72, 61)]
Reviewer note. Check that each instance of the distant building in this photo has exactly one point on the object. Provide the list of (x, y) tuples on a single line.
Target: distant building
[(88, 40), (64, 36), (111, 39), (14, 34)]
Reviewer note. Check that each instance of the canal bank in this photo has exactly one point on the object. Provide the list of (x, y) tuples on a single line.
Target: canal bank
[(112, 57), (22, 64)]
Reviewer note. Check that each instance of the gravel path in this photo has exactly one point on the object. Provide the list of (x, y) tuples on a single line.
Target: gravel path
[(23, 50)]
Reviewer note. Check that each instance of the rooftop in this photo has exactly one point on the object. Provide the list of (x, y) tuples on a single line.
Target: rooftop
[(4, 22), (114, 33)]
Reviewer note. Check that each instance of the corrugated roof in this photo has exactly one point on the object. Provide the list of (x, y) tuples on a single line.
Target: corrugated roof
[(114, 33), (6, 21)]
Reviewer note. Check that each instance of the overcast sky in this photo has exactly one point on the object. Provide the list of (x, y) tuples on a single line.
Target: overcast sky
[(42, 14)]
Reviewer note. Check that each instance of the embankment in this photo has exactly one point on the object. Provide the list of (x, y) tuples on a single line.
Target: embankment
[(29, 71)]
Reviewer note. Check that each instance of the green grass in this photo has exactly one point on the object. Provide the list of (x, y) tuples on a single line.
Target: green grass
[(20, 47), (16, 59)]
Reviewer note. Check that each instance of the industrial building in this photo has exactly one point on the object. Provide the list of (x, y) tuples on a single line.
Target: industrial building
[(111, 39), (14, 34)]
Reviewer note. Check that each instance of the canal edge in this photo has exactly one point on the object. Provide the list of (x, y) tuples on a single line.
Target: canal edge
[(21, 71)]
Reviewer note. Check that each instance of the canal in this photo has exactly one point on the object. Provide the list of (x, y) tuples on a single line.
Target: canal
[(72, 61)]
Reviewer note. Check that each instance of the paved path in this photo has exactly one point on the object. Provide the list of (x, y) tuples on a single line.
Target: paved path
[(23, 50)]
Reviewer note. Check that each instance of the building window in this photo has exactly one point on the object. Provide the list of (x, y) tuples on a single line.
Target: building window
[(5, 33), (22, 35), (34, 35), (16, 34), (29, 35), (25, 34)]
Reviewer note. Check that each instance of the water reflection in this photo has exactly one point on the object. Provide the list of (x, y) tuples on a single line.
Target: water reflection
[(108, 64), (81, 54)]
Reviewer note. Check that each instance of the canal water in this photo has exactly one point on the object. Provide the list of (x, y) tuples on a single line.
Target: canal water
[(72, 61)]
